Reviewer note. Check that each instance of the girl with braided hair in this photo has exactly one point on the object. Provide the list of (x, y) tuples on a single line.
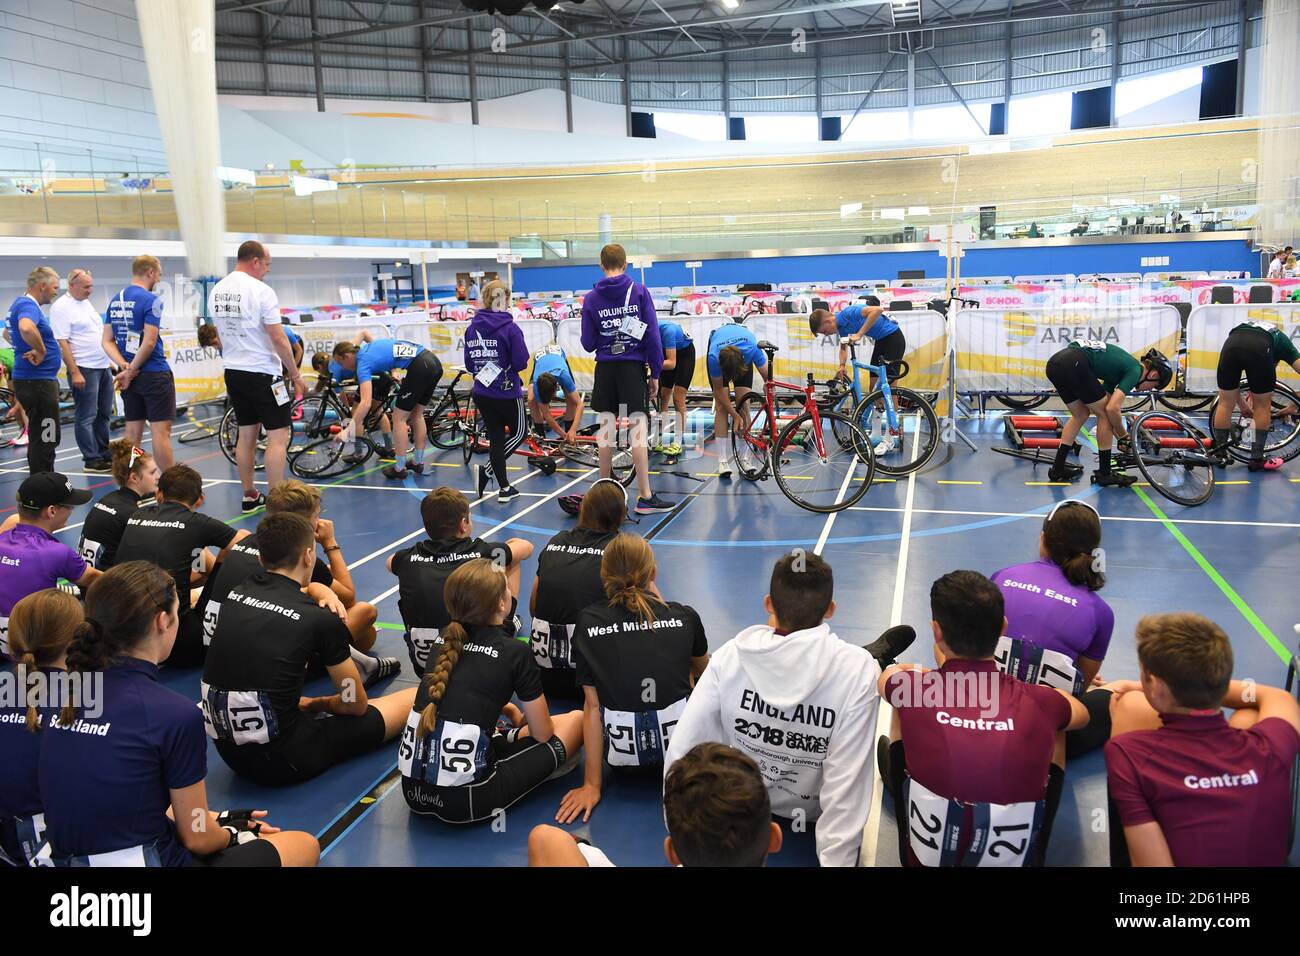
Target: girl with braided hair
[(41, 628), (636, 657), (122, 765), (457, 763)]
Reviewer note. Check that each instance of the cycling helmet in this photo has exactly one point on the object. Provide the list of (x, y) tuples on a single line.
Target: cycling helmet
[(1156, 360), (570, 504)]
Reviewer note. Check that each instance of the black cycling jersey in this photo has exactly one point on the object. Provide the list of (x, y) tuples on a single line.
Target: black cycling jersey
[(105, 522), (422, 573), (253, 678), (241, 562), (568, 574), (641, 672), (171, 536)]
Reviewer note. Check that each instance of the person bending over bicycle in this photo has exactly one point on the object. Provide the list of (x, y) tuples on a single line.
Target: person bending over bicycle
[(733, 356), (1092, 378), (330, 375), (366, 356), (852, 325), (1252, 349), (551, 372)]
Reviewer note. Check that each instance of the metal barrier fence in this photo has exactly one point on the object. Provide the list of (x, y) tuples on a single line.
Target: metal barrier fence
[(1209, 325)]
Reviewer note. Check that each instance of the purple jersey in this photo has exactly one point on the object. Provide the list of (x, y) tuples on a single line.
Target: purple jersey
[(31, 559), (1045, 609)]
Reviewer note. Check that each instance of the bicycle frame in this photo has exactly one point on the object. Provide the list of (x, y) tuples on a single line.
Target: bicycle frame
[(770, 387), (881, 374)]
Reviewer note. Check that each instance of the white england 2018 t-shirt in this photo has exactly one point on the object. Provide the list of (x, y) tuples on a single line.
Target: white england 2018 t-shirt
[(241, 308), (77, 321)]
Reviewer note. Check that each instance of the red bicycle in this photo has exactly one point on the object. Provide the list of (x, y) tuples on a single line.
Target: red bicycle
[(820, 469), (542, 453)]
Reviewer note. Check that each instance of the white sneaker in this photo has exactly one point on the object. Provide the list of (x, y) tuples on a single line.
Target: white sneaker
[(885, 445), (724, 468)]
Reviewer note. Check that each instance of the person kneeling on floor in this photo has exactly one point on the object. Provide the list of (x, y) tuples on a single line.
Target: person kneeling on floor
[(1191, 787), (802, 702), (252, 687), (457, 763), (716, 807), (975, 758)]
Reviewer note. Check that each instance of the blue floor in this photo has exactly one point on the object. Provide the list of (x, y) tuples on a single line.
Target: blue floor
[(967, 510)]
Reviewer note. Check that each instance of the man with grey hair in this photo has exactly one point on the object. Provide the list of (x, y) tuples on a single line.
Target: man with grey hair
[(36, 366), (79, 330)]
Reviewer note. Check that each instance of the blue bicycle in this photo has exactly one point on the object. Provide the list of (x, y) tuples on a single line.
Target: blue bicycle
[(901, 424)]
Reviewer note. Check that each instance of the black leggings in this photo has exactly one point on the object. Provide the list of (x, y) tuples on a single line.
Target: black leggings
[(1089, 738), (521, 766), (498, 415)]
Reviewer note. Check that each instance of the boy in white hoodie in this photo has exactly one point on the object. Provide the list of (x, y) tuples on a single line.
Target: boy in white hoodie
[(800, 702)]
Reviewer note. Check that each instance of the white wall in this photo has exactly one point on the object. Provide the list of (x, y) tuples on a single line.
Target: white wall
[(1183, 106), (72, 75)]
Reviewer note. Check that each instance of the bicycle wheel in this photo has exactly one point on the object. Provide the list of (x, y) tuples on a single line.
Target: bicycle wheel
[(197, 430), (311, 418), (1171, 454), (1184, 401), (1283, 439), (1139, 401), (447, 424), (622, 467), (1021, 402), (473, 439), (918, 431), (325, 458), (10, 428), (749, 449), (823, 483)]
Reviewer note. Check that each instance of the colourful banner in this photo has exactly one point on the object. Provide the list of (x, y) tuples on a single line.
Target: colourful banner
[(1208, 326)]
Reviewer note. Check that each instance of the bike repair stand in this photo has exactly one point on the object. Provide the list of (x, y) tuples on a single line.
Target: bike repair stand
[(950, 238)]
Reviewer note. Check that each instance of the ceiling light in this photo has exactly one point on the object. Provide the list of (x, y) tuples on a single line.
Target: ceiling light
[(730, 4)]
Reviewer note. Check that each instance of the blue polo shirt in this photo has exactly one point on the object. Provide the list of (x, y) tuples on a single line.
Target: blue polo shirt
[(739, 336), (25, 307), (673, 336), (19, 749), (851, 319), (105, 781), (129, 312), (384, 355), (551, 360)]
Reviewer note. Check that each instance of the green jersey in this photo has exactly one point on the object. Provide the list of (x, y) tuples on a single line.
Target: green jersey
[(1110, 363)]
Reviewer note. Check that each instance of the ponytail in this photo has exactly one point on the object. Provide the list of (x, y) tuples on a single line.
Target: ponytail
[(473, 594), (627, 570), (41, 629), (1072, 540)]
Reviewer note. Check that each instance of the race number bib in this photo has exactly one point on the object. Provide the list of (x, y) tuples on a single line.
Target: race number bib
[(639, 738), (1263, 326), (488, 374), (1095, 345), (211, 614), (239, 716), (420, 641), (633, 327), (133, 342), (280, 391), (405, 350), (552, 645), (547, 350), (89, 551), (1040, 666), (452, 756), (4, 636), (999, 834)]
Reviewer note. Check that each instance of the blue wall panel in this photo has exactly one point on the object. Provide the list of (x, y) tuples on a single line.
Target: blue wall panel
[(1227, 254)]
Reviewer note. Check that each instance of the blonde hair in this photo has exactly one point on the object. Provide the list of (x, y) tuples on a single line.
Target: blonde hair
[(495, 296), (627, 570), (143, 265), (39, 275), (123, 467), (473, 594), (295, 497)]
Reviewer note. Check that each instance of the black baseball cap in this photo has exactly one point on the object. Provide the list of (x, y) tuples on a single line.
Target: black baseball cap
[(47, 488)]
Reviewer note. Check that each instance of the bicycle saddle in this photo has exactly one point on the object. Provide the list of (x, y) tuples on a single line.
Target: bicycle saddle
[(767, 346)]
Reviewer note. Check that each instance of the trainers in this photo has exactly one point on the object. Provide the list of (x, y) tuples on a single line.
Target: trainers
[(1113, 479), (100, 466), (1066, 472), (1266, 464), (251, 504), (374, 669), (507, 494), (21, 439), (882, 762), (886, 648), (354, 458), (415, 466), (724, 469), (886, 445), (673, 450), (659, 449), (393, 473), (647, 506)]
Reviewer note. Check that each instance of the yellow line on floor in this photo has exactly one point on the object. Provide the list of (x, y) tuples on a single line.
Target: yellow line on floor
[(946, 481), (1048, 484), (1242, 482)]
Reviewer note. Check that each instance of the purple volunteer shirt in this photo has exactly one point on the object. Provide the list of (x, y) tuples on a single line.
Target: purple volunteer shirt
[(1222, 796), (1045, 608), (31, 559)]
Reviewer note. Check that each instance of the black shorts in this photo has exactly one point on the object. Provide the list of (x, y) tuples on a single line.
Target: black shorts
[(1248, 352), (889, 349), (681, 375), (422, 377), (151, 397), (255, 853), (188, 650), (1072, 376), (521, 765), (312, 746), (619, 388), (254, 402)]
